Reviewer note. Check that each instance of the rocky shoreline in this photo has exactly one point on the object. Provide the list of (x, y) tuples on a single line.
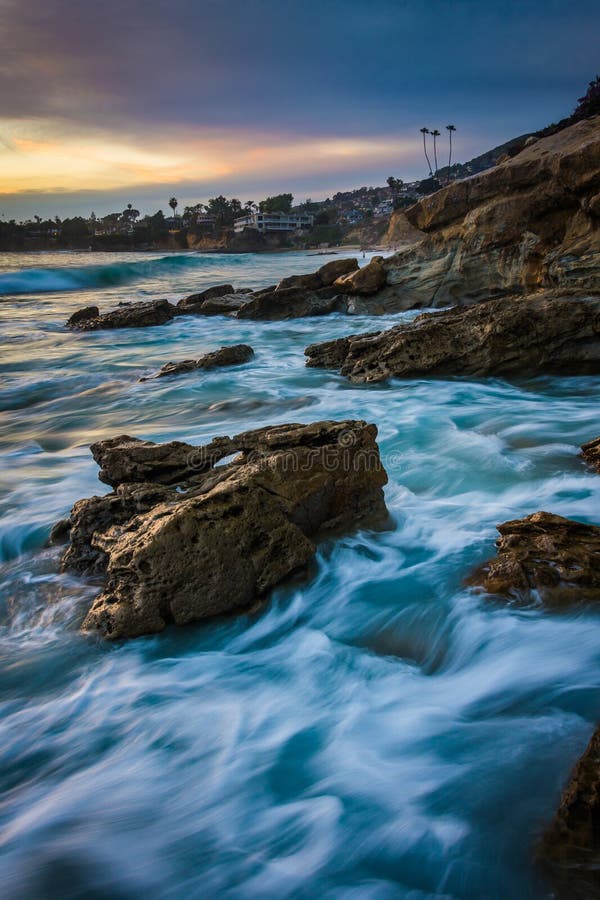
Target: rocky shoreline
[(515, 253)]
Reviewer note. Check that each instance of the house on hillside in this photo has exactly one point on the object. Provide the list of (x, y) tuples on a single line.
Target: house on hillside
[(274, 222)]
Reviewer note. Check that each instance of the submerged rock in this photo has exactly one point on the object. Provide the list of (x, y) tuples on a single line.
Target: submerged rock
[(570, 847), (128, 315), (181, 538), (226, 356), (548, 333), (591, 453), (547, 558)]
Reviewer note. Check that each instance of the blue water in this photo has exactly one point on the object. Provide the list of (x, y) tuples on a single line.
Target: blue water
[(377, 732)]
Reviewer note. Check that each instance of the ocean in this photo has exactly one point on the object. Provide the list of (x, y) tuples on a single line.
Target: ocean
[(377, 730)]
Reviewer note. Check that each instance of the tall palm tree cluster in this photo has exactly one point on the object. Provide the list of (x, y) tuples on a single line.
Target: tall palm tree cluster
[(435, 134)]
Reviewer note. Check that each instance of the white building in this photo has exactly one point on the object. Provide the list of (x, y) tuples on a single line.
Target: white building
[(385, 208), (274, 222)]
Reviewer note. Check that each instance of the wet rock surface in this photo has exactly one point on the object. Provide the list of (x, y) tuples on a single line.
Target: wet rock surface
[(544, 558), (225, 356), (591, 453), (194, 301), (510, 336), (291, 303), (182, 538), (570, 848), (127, 315)]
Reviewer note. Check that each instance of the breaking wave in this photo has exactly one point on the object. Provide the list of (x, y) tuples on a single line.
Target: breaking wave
[(46, 280)]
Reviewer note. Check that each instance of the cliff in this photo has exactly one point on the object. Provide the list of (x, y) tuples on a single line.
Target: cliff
[(530, 222)]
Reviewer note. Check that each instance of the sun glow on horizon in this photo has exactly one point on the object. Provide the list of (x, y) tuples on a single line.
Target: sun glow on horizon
[(40, 157)]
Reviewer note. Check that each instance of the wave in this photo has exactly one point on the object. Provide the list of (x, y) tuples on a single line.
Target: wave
[(38, 281)]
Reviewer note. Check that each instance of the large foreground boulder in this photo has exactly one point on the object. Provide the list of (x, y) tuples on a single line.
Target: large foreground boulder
[(570, 848), (182, 538), (225, 356), (531, 222), (544, 558), (548, 333), (127, 315)]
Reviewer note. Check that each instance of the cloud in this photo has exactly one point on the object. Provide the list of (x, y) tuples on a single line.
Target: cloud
[(121, 94)]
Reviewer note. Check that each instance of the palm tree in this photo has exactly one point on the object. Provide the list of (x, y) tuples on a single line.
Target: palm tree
[(425, 131), (173, 204), (435, 134), (450, 129)]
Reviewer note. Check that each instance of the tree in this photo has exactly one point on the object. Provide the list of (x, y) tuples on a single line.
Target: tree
[(395, 185), (278, 203), (425, 131), (450, 129), (435, 134), (589, 104), (130, 214), (173, 204)]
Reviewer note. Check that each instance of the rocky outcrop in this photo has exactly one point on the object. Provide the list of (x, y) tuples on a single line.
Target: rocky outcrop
[(526, 224), (512, 336), (194, 302), (591, 453), (368, 280), (570, 847), (400, 231), (226, 356), (126, 315), (323, 277), (544, 558), (181, 538), (291, 303), (334, 269), (79, 318)]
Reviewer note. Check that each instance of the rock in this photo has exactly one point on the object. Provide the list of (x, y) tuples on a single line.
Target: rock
[(591, 453), (515, 228), (308, 282), (131, 315), (323, 277), (226, 356), (545, 558), (127, 460), (227, 305), (196, 300), (400, 231), (59, 533), (82, 315), (229, 533), (291, 303), (571, 845), (329, 272), (508, 337), (368, 280), (96, 514)]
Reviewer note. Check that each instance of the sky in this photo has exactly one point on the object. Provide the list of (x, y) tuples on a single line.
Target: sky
[(133, 101)]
